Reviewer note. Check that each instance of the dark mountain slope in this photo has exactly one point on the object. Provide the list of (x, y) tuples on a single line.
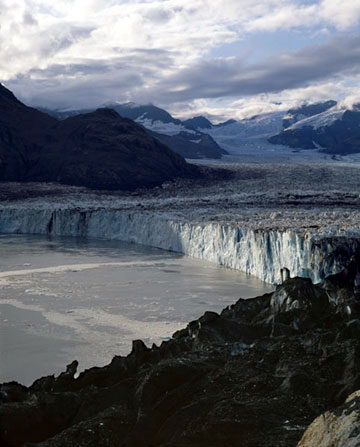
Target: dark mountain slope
[(99, 150), (183, 143), (23, 134), (340, 135), (180, 136), (198, 122), (104, 150), (225, 123), (149, 111)]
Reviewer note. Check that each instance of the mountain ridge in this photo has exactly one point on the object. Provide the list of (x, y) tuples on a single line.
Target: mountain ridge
[(99, 150), (178, 135), (336, 130), (326, 126)]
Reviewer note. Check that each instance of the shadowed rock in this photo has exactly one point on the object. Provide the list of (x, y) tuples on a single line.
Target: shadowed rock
[(255, 375), (99, 150)]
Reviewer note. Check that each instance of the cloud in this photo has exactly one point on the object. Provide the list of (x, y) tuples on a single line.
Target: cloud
[(219, 110), (86, 52), (233, 77), (89, 83), (93, 28), (341, 14)]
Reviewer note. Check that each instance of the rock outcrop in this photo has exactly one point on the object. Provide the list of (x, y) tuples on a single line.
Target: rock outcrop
[(255, 375), (99, 150), (336, 428)]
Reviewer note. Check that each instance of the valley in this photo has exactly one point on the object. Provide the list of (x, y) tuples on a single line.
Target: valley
[(179, 223)]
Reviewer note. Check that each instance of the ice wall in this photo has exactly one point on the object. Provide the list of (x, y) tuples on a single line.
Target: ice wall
[(259, 253)]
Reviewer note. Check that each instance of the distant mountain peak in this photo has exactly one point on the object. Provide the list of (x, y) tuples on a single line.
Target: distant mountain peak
[(307, 110), (198, 122), (335, 129), (226, 123), (105, 111)]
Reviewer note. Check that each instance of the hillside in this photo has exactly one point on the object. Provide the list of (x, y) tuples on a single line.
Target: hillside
[(99, 150), (180, 136)]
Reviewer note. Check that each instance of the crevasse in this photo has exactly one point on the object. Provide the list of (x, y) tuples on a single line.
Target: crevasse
[(261, 253)]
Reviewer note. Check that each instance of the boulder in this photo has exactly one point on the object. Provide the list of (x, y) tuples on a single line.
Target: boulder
[(336, 428)]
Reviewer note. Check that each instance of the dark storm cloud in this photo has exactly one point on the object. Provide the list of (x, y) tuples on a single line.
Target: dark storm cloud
[(77, 92), (233, 77), (141, 75), (92, 82)]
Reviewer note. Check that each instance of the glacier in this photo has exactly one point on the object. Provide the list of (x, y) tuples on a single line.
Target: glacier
[(261, 253)]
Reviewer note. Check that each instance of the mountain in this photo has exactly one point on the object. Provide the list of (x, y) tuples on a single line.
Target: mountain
[(24, 132), (189, 146), (129, 110), (176, 134), (198, 122), (225, 123), (335, 130), (201, 123), (327, 126), (63, 114), (98, 150), (305, 111), (247, 135), (143, 112)]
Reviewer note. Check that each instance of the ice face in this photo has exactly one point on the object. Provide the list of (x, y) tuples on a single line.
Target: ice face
[(261, 253)]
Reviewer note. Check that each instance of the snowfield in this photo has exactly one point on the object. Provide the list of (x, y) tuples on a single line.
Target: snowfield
[(247, 140), (164, 128), (323, 119), (266, 217)]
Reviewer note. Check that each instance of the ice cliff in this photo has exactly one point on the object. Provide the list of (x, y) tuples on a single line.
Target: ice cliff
[(261, 253)]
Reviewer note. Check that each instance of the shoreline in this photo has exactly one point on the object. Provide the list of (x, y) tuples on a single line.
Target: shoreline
[(248, 374)]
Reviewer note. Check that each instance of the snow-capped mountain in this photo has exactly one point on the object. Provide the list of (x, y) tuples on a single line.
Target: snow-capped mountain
[(327, 126), (335, 130), (179, 136), (306, 111), (247, 135), (324, 119), (144, 113)]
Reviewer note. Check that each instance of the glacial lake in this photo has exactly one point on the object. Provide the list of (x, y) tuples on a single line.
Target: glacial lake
[(70, 298)]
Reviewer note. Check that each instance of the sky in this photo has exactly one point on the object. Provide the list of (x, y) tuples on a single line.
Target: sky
[(224, 59)]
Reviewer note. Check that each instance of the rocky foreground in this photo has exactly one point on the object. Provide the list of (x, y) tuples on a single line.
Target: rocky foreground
[(256, 375)]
